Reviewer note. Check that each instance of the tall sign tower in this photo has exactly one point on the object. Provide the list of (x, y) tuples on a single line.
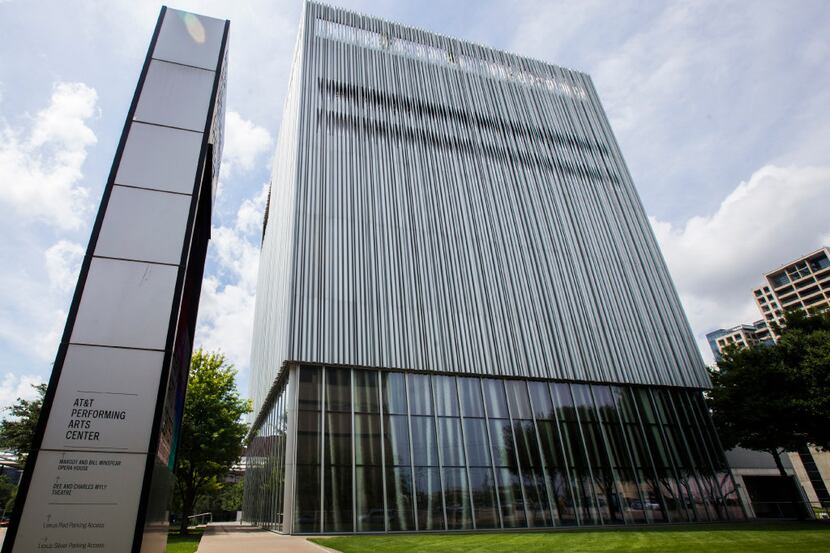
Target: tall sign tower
[(99, 473)]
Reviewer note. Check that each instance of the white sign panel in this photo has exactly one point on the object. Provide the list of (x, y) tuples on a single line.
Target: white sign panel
[(105, 400), (81, 501)]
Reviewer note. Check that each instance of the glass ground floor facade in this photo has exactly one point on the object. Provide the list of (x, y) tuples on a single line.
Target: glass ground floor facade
[(353, 450)]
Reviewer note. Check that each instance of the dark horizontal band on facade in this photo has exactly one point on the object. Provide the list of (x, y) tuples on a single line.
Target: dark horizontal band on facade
[(446, 142), (364, 95)]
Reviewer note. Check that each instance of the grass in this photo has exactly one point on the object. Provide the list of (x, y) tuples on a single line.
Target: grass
[(790, 537), (184, 544)]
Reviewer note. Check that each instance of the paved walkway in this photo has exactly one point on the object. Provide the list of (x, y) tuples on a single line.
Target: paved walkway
[(233, 538)]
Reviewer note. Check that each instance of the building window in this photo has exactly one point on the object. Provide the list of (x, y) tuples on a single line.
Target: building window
[(386, 451)]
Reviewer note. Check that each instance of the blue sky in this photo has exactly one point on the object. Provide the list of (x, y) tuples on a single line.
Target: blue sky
[(720, 108)]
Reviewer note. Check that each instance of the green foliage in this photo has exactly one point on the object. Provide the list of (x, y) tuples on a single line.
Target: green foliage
[(218, 496), (8, 492), (9, 506), (805, 348), (774, 398), (18, 429), (231, 498), (712, 538), (212, 430)]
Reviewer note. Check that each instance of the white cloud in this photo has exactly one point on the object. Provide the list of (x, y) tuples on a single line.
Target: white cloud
[(249, 217), (226, 317), (699, 93), (226, 309), (244, 143), (40, 167), (716, 260), (34, 315), (63, 262), (15, 386)]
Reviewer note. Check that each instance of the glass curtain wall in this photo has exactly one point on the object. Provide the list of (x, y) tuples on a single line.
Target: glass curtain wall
[(383, 451), (262, 503)]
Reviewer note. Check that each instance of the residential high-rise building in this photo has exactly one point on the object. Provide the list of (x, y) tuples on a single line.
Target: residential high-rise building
[(463, 319), (742, 335), (803, 284), (800, 284)]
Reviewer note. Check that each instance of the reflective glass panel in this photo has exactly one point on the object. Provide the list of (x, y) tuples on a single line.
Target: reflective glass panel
[(452, 446), (538, 512), (309, 390), (420, 394), (484, 497), (606, 403), (457, 498), (510, 495), (644, 405), (630, 502), (501, 439), (338, 389), (560, 489), (424, 446), (478, 447), (583, 402), (527, 446), (399, 498), (446, 396), (494, 399), (470, 391), (394, 393), (337, 516), (430, 508), (653, 502), (308, 437), (367, 439), (563, 403), (627, 409), (608, 499), (307, 516), (338, 439), (396, 437), (369, 499), (540, 396), (518, 399), (730, 496), (551, 443), (366, 399)]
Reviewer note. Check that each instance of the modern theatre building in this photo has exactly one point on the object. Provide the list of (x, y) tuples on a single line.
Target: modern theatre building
[(463, 318)]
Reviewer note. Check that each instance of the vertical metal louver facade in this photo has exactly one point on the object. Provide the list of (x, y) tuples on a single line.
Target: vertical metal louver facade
[(463, 319), (438, 205)]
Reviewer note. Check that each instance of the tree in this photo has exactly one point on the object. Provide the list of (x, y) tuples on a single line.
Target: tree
[(212, 430), (18, 430), (775, 398), (805, 348), (752, 402)]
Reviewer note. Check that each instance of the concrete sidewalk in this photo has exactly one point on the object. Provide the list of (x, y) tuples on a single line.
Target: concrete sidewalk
[(233, 538)]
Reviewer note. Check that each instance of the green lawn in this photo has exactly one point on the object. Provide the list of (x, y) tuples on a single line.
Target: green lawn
[(790, 537), (183, 544)]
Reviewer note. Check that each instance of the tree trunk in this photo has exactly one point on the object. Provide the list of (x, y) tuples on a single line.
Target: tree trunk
[(777, 456), (797, 507), (188, 499)]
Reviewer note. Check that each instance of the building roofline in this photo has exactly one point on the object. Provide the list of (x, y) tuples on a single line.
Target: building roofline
[(796, 260), (395, 24)]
